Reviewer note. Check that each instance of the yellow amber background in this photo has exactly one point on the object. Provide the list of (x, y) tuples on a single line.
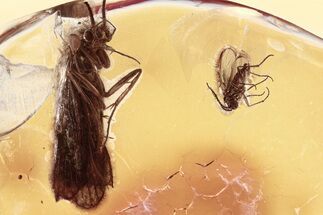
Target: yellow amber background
[(171, 116)]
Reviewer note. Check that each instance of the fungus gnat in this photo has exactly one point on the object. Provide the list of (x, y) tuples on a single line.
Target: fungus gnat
[(82, 167), (232, 73)]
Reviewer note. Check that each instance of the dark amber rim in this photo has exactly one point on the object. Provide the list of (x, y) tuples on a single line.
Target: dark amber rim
[(124, 3)]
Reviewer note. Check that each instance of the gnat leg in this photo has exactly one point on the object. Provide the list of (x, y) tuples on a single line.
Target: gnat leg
[(251, 85), (255, 85), (257, 65), (130, 79), (246, 100), (261, 101), (253, 95), (218, 100), (266, 77)]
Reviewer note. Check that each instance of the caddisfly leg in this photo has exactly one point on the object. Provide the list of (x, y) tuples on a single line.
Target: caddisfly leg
[(109, 48), (133, 75), (131, 78)]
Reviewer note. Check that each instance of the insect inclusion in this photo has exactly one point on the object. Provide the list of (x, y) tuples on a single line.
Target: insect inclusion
[(233, 74), (82, 166)]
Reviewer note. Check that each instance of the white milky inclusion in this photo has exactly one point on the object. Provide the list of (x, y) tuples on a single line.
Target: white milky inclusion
[(23, 88)]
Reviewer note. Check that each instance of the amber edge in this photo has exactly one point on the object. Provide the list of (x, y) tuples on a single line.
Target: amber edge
[(5, 35), (125, 3)]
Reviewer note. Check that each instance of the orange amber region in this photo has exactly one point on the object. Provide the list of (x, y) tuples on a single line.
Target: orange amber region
[(224, 185), (171, 114)]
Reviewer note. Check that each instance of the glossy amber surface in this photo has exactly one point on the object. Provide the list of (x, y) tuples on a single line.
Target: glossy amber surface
[(175, 150)]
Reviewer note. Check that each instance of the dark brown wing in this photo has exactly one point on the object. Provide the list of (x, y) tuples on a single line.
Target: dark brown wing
[(82, 167)]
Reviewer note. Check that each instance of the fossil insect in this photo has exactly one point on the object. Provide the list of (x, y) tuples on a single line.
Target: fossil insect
[(232, 73), (82, 168)]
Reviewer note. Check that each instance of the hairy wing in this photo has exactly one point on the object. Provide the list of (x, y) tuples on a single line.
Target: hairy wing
[(241, 59), (82, 167), (225, 70)]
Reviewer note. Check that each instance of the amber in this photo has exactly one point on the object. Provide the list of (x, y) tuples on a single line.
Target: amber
[(175, 151)]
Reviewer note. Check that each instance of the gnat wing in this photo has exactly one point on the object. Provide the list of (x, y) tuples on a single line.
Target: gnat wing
[(23, 89), (241, 59), (225, 70)]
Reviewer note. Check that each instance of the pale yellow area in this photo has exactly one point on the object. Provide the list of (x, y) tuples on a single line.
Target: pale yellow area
[(171, 116), (302, 13), (307, 14)]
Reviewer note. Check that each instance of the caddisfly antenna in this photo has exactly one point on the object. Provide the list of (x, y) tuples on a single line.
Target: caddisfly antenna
[(103, 14), (91, 13), (104, 17), (105, 20)]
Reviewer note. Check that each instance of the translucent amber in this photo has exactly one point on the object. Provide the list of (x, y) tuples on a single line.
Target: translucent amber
[(175, 150)]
